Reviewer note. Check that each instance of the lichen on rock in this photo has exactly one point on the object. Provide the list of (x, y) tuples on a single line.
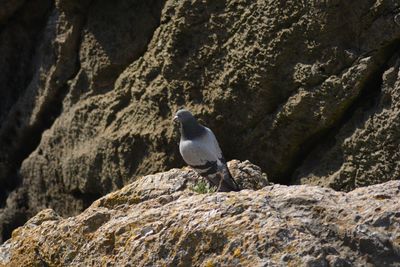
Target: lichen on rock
[(158, 221)]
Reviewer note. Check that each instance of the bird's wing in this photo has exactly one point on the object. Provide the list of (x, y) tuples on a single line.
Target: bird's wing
[(197, 153), (205, 156), (228, 182), (214, 144)]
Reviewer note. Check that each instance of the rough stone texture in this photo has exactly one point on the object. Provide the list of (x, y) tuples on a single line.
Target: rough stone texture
[(20, 27), (90, 88), (247, 175), (156, 221), (366, 149), (79, 54)]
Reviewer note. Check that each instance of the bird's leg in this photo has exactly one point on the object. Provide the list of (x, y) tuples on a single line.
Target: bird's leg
[(220, 182)]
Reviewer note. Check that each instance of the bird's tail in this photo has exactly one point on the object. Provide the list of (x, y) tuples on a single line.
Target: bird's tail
[(227, 183)]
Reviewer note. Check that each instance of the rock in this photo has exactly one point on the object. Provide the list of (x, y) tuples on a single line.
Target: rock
[(247, 175), (158, 221), (8, 8), (72, 51), (90, 88), (365, 149), (18, 36)]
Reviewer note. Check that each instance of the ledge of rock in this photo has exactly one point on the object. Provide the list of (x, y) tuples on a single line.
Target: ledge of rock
[(159, 221)]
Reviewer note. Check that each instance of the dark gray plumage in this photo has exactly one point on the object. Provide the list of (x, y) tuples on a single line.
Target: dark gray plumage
[(200, 150)]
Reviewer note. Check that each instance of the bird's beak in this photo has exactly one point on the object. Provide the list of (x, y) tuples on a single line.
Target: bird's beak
[(175, 119)]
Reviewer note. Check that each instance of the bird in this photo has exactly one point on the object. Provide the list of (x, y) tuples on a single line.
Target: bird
[(200, 150)]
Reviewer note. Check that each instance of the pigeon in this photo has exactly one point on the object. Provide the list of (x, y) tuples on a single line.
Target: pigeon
[(200, 150)]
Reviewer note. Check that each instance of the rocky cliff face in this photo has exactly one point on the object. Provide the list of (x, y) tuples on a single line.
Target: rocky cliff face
[(307, 90), (157, 221)]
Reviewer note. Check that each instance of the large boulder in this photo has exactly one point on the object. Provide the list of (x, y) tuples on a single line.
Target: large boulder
[(158, 221)]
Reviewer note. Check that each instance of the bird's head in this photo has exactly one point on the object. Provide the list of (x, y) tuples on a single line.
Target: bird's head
[(184, 116)]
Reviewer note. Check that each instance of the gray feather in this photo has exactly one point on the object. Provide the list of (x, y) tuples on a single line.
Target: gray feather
[(200, 150)]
